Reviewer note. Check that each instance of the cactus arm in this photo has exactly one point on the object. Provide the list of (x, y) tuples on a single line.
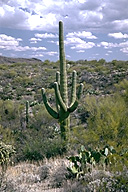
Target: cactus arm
[(80, 91), (59, 98), (58, 81), (53, 113), (73, 91), (58, 77), (74, 105)]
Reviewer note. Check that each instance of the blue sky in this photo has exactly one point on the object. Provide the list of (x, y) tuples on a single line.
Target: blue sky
[(93, 29)]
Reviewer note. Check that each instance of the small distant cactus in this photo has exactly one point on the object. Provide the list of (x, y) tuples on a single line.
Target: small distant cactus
[(61, 92), (28, 104), (27, 108)]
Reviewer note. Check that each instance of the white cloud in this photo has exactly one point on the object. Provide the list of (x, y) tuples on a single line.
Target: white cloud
[(78, 43), (109, 51), (107, 45), (13, 17), (124, 50), (118, 35), (77, 14), (47, 22), (8, 40), (2, 12), (74, 40), (11, 43), (51, 53), (80, 51), (82, 34), (85, 21), (53, 42), (68, 56), (124, 44), (121, 25), (46, 35), (34, 40), (85, 45), (37, 55)]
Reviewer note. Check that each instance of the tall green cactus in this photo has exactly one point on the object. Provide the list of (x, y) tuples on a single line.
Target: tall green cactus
[(61, 92)]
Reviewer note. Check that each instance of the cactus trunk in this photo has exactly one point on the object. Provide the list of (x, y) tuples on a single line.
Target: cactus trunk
[(65, 124)]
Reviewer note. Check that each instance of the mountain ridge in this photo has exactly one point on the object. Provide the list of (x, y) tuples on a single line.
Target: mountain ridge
[(7, 60)]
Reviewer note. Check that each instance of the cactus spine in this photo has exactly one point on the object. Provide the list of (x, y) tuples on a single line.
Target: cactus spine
[(61, 92)]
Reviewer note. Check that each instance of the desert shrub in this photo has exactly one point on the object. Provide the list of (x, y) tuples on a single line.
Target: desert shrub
[(107, 122), (3, 67), (11, 121), (40, 144), (10, 74), (6, 135), (10, 110), (6, 152), (39, 116), (122, 89)]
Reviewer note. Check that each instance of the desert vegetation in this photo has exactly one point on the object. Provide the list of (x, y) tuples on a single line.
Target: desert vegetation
[(35, 154)]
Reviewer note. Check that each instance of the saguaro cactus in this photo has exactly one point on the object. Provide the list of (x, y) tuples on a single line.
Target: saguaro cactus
[(28, 105), (61, 92)]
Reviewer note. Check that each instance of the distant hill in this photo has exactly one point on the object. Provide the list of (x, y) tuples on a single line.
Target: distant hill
[(8, 60)]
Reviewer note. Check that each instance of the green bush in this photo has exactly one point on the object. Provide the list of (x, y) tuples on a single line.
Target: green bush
[(107, 122)]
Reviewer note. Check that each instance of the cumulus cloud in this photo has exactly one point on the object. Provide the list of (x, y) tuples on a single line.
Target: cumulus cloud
[(6, 41), (124, 50), (85, 45), (78, 43), (46, 35), (80, 51), (11, 43), (51, 53), (107, 45), (34, 40), (85, 21), (83, 34), (77, 14), (27, 48), (37, 55), (118, 35)]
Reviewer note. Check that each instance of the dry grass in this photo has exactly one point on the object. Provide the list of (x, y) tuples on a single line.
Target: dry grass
[(51, 176), (33, 177)]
